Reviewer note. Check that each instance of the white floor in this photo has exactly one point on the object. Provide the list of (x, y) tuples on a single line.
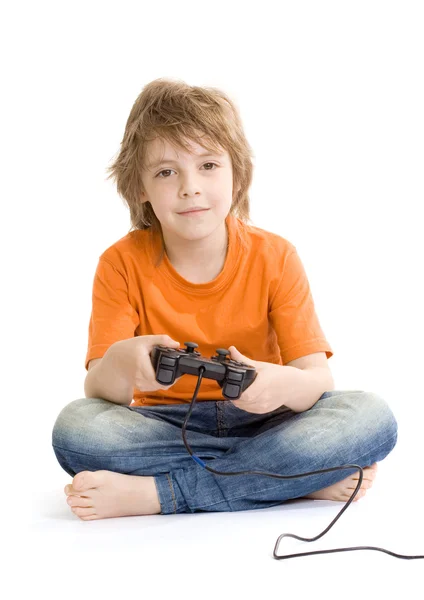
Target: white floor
[(220, 555)]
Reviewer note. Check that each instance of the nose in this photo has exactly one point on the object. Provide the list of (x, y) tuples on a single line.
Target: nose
[(189, 185)]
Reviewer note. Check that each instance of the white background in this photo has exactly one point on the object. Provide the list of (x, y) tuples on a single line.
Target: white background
[(331, 95)]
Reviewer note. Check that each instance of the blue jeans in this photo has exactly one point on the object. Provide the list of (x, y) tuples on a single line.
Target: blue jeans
[(343, 427)]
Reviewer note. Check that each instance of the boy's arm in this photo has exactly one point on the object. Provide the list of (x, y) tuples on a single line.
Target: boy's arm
[(283, 385), (109, 379), (293, 316)]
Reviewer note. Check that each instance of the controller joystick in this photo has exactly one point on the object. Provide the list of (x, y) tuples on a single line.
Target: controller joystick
[(222, 354), (191, 346), (232, 376)]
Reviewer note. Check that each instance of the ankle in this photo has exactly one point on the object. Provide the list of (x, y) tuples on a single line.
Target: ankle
[(153, 497)]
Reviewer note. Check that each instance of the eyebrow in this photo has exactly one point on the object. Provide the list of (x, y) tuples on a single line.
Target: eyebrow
[(174, 162)]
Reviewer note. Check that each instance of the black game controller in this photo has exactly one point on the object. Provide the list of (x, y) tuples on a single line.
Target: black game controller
[(233, 377)]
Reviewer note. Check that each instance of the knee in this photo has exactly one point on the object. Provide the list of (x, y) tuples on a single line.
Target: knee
[(360, 413), (377, 413), (360, 421), (74, 417), (371, 417)]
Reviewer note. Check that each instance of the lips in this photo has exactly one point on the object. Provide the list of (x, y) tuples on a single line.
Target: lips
[(194, 209)]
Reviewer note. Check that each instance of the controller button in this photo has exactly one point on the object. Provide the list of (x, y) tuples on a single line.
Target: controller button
[(165, 376), (235, 376), (170, 362), (232, 391)]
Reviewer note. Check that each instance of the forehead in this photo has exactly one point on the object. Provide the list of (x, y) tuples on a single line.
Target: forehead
[(159, 148)]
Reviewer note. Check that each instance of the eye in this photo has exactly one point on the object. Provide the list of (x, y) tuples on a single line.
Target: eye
[(168, 170), (164, 171)]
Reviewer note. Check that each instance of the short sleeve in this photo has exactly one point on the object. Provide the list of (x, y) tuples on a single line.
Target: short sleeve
[(292, 313), (113, 318)]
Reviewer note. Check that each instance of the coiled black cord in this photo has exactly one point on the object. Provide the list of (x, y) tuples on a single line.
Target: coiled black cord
[(283, 535)]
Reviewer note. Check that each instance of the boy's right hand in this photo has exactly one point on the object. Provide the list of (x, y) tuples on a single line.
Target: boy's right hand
[(135, 360)]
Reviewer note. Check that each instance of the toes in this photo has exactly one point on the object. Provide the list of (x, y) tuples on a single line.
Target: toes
[(86, 480), (69, 490), (373, 475), (369, 474), (80, 502), (365, 485), (79, 481), (358, 496), (84, 512)]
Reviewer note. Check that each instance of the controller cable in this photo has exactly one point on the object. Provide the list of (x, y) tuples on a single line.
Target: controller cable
[(282, 556)]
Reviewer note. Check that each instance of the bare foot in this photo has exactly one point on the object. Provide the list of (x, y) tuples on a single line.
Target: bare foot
[(343, 490), (104, 494)]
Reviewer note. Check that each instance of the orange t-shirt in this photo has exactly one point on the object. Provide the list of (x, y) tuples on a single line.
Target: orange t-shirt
[(260, 302)]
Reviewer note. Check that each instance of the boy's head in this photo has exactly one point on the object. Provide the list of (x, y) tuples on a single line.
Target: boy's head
[(176, 180), (173, 119)]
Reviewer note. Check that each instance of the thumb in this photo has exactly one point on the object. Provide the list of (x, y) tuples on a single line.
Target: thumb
[(166, 340), (238, 356)]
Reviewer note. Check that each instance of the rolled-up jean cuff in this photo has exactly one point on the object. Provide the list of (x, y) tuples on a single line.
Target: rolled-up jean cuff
[(165, 490)]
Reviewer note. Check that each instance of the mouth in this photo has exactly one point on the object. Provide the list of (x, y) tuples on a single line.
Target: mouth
[(193, 211)]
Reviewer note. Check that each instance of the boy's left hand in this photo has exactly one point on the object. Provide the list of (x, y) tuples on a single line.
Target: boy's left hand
[(265, 393)]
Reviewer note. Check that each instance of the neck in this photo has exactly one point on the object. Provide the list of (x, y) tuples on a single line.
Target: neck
[(197, 253)]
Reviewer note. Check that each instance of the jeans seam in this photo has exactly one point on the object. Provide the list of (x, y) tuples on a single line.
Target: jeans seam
[(172, 492), (90, 454), (222, 429)]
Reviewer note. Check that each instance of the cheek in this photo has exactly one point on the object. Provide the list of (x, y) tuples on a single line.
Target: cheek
[(163, 196)]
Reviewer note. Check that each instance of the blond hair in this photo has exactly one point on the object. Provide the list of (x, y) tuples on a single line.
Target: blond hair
[(175, 111)]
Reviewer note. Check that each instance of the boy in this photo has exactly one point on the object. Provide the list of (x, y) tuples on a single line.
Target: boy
[(192, 268)]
